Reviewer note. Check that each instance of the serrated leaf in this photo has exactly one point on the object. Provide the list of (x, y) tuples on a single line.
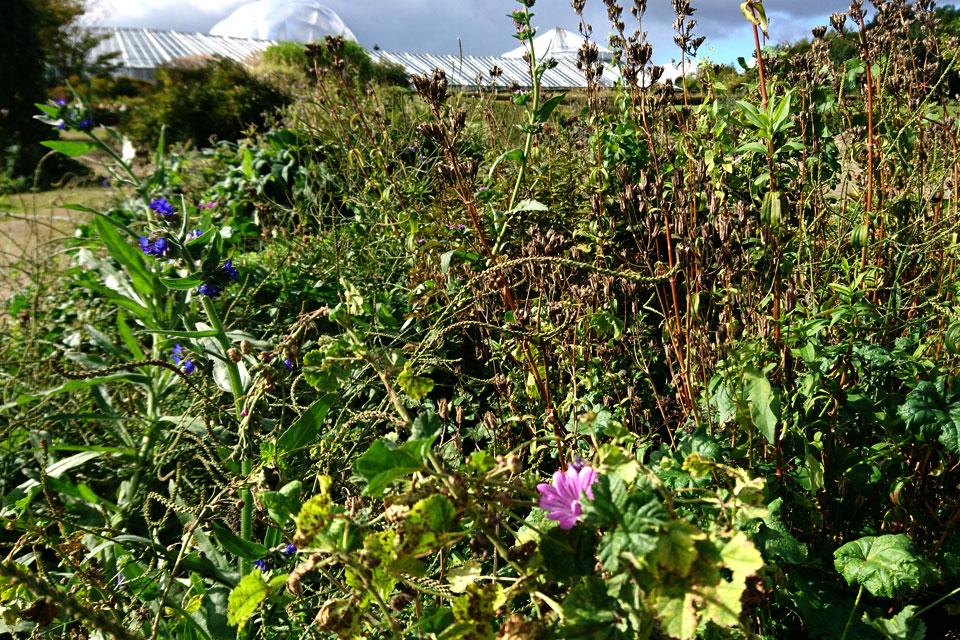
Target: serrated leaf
[(676, 548), (314, 515), (903, 626), (417, 387), (245, 598), (927, 412), (886, 565)]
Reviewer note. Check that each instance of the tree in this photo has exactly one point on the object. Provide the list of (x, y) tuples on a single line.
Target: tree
[(22, 76)]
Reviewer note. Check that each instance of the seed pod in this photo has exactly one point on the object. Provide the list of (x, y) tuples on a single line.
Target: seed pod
[(245, 347), (234, 355)]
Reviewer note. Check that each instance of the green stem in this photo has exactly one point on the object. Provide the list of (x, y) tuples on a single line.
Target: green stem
[(856, 603), (236, 386), (936, 602), (531, 120)]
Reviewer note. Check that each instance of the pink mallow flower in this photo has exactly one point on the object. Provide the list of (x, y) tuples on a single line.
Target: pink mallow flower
[(562, 498)]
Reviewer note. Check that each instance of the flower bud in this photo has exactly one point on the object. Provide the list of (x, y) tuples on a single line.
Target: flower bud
[(245, 347), (234, 355)]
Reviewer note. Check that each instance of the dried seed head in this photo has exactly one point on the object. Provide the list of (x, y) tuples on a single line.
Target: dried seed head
[(245, 347), (234, 355)]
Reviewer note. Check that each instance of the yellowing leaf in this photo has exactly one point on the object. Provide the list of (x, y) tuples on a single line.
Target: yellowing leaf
[(676, 547), (463, 576), (417, 387), (313, 515)]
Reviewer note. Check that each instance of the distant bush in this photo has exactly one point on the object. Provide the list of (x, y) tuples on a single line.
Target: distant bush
[(200, 98), (359, 65)]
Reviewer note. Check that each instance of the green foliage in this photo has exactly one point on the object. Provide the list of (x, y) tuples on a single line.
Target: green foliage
[(199, 100), (886, 565), (699, 299)]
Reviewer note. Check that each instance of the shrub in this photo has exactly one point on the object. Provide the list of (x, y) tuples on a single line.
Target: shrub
[(360, 67), (201, 98)]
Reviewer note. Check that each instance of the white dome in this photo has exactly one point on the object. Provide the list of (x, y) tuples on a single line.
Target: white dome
[(283, 21)]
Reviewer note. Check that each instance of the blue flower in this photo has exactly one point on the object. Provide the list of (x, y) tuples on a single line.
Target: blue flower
[(105, 182), (145, 245), (120, 580), (210, 290), (160, 247), (177, 353), (290, 550), (288, 364), (162, 207), (261, 564), (193, 235), (86, 123), (61, 125), (189, 367), (61, 103), (231, 270)]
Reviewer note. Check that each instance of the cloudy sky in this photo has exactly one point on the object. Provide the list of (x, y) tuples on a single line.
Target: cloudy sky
[(434, 26)]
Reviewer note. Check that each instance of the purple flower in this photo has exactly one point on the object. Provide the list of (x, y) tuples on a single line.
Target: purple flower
[(189, 367), (288, 364), (562, 498), (421, 240), (244, 414), (61, 103), (177, 353), (120, 580), (290, 550), (193, 235), (61, 125), (162, 207), (86, 123), (451, 227), (261, 564), (105, 182), (460, 227), (231, 270), (145, 245), (209, 290), (211, 205)]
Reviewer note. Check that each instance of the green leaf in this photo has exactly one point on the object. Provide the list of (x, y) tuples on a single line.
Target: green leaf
[(928, 412), (886, 565), (182, 284), (383, 463), (463, 576), (529, 205), (513, 154), (637, 533), (764, 402), (568, 554), (245, 598), (323, 373), (70, 147), (678, 615), (304, 429), (547, 108), (147, 283), (417, 387), (237, 546), (903, 626)]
